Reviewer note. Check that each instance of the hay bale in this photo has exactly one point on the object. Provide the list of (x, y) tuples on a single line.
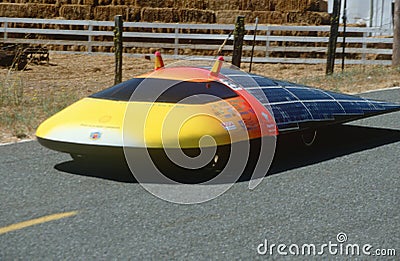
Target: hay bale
[(190, 4), (259, 5), (76, 12), (107, 13), (87, 2), (304, 18), (111, 2), (32, 1), (104, 2), (229, 16), (28, 10), (165, 15), (270, 17), (12, 10), (223, 5), (323, 6), (134, 14), (297, 5), (40, 11), (307, 18), (155, 3), (24, 2), (245, 5), (118, 2), (195, 15), (73, 2)]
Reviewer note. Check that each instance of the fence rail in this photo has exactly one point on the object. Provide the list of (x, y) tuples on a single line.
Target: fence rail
[(274, 43)]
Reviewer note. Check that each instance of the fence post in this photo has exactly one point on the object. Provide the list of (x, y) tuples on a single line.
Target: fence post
[(330, 63), (176, 42), (364, 48), (89, 45), (396, 34), (118, 48), (344, 34), (5, 30), (267, 44), (238, 35)]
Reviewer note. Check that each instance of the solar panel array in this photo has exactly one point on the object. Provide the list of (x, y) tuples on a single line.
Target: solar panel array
[(294, 105)]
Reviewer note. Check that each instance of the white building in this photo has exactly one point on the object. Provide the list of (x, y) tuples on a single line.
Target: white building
[(373, 13)]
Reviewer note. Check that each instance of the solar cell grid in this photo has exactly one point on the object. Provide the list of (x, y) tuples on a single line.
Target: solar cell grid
[(293, 104), (387, 105), (244, 81), (278, 95), (308, 94), (324, 110), (291, 112), (283, 83), (341, 96), (351, 107), (262, 82), (259, 95), (367, 106)]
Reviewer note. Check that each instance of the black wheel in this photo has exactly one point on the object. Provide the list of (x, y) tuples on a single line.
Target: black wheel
[(191, 176)]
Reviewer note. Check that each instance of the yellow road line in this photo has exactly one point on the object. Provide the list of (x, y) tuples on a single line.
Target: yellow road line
[(36, 221)]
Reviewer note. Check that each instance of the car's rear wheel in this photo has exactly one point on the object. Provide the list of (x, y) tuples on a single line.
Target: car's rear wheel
[(309, 137)]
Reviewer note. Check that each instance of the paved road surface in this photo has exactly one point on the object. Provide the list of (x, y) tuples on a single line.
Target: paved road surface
[(349, 182)]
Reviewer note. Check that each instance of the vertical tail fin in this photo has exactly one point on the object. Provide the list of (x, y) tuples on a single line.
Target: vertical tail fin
[(158, 63), (217, 66)]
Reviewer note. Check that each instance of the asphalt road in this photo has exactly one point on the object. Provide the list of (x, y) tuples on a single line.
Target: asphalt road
[(348, 182)]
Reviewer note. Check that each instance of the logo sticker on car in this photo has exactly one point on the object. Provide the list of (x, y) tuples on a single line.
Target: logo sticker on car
[(96, 135)]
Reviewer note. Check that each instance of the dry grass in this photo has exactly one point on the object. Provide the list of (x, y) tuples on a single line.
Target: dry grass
[(28, 97)]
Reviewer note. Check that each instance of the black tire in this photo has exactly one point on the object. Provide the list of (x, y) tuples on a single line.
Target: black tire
[(191, 176)]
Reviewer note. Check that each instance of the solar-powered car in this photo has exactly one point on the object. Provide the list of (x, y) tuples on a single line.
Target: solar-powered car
[(176, 107)]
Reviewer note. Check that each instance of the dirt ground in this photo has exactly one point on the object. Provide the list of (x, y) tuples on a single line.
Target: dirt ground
[(42, 90)]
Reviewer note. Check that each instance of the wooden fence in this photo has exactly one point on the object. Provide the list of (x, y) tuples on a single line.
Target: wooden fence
[(274, 43)]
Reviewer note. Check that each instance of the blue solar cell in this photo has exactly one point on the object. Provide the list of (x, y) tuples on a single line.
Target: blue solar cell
[(265, 82), (258, 93), (244, 81), (309, 94), (388, 106), (351, 107), (341, 96), (290, 112), (324, 110), (284, 83), (378, 106), (227, 72), (278, 95), (368, 106)]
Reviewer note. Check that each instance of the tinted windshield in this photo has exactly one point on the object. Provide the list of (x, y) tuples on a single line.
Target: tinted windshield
[(172, 91)]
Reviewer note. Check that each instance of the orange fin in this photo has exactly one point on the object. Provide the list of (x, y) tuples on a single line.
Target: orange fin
[(158, 63), (217, 66)]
